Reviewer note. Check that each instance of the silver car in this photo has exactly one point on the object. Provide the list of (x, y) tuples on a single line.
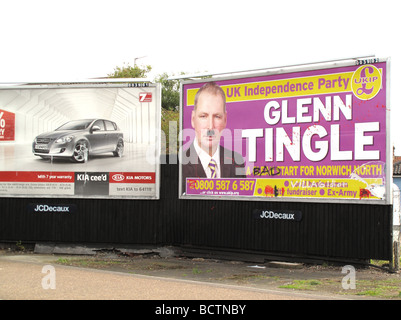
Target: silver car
[(79, 138)]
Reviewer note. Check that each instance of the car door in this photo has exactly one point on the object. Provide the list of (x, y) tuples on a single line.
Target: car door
[(112, 135), (98, 137)]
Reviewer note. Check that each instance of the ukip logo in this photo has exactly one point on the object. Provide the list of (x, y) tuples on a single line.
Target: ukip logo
[(366, 82)]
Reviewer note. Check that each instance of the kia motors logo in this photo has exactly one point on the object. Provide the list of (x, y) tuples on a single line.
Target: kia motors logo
[(118, 177)]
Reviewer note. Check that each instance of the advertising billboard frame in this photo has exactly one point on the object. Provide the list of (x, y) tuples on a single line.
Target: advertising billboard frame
[(287, 71), (128, 179)]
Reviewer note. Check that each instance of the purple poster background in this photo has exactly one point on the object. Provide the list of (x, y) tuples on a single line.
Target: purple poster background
[(367, 114)]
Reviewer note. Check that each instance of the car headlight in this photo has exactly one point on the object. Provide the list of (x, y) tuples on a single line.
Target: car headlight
[(65, 139)]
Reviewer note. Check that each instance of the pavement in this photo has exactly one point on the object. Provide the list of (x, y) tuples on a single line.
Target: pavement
[(149, 275)]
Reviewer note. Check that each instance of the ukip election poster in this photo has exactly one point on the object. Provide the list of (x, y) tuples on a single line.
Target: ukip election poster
[(80, 140), (313, 134)]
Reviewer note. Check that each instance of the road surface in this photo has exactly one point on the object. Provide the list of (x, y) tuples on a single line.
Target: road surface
[(28, 278)]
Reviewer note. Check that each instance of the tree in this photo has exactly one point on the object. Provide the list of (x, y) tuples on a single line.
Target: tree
[(128, 71), (170, 91)]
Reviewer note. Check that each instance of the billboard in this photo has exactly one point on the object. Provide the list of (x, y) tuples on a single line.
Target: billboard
[(308, 133), (83, 140)]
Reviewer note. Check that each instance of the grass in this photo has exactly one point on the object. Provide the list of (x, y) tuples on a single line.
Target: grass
[(196, 271), (302, 285), (90, 263), (101, 263), (248, 277), (382, 287)]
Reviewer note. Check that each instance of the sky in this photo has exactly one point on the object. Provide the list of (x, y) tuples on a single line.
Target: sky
[(54, 40)]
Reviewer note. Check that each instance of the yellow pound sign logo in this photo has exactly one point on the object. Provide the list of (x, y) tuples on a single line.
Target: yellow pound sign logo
[(366, 82)]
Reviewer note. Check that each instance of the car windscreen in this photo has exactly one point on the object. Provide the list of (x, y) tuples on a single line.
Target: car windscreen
[(75, 125)]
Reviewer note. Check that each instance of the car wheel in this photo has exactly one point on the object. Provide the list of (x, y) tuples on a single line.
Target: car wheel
[(119, 149), (81, 152)]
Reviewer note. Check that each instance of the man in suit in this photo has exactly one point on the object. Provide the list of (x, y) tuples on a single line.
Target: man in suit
[(205, 158)]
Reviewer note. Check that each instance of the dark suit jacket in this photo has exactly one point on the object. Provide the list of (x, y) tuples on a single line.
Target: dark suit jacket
[(232, 165)]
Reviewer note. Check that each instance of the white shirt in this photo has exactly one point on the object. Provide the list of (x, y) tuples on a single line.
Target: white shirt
[(205, 159)]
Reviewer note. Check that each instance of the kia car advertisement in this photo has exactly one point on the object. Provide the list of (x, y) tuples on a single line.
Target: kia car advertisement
[(80, 141)]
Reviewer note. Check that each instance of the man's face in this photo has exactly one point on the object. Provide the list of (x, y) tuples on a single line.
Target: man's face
[(209, 120)]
